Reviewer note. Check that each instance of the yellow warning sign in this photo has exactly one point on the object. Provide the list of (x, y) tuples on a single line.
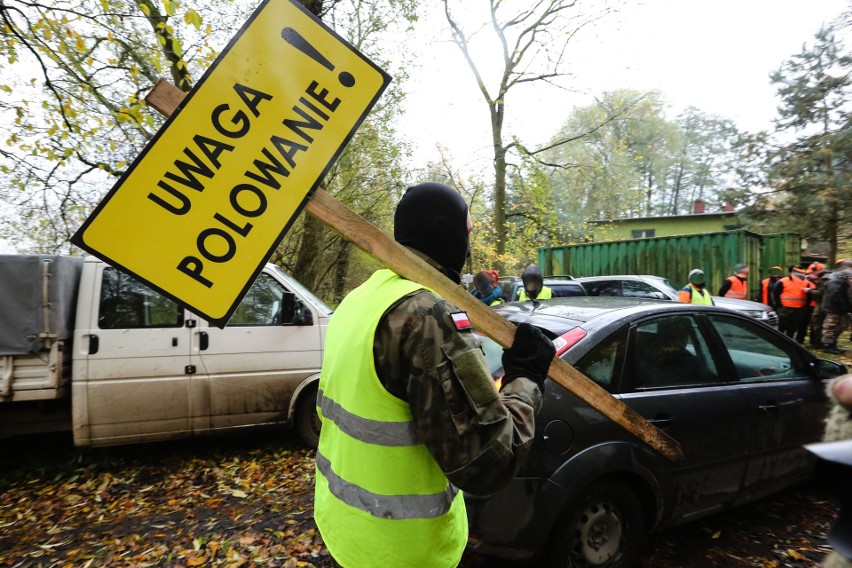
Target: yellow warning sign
[(201, 209)]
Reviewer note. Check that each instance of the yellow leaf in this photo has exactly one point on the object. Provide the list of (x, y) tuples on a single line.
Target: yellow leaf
[(717, 534), (794, 554), (81, 45), (239, 493)]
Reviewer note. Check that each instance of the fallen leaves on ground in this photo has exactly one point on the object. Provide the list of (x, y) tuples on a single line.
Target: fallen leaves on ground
[(189, 504)]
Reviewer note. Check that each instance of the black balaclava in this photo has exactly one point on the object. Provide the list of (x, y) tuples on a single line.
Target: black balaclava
[(432, 218), (533, 281)]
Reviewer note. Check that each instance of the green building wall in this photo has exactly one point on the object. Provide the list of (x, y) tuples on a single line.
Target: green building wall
[(674, 256)]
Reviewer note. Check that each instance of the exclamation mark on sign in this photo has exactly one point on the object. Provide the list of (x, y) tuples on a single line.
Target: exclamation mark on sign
[(295, 39)]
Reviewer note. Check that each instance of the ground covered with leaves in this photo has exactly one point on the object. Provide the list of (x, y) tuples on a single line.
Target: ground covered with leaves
[(247, 501)]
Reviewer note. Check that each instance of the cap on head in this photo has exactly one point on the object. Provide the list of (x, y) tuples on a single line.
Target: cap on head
[(776, 271), (816, 267), (740, 267), (432, 218), (696, 276)]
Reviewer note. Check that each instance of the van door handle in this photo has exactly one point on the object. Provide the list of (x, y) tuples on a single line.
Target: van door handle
[(769, 409), (94, 344), (203, 341)]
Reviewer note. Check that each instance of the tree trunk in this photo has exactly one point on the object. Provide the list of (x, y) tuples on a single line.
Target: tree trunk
[(306, 267), (341, 269), (497, 113)]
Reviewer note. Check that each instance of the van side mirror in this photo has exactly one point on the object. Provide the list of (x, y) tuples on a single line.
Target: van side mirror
[(294, 311)]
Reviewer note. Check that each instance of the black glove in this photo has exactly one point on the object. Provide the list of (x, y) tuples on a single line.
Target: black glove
[(529, 356)]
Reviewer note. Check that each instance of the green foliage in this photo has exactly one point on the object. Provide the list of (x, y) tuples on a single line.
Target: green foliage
[(622, 157), (76, 73), (801, 171)]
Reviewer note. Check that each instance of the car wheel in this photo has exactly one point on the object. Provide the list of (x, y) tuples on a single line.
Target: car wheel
[(604, 528), (307, 420)]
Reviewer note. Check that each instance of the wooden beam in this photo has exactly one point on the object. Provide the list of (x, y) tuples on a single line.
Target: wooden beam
[(165, 98)]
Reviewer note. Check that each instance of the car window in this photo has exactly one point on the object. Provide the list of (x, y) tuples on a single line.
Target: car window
[(603, 363), (261, 305), (757, 352), (603, 288), (493, 356), (637, 289), (566, 290), (127, 303), (670, 351)]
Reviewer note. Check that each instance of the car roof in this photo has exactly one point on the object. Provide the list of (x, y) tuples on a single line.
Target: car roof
[(622, 277), (560, 315)]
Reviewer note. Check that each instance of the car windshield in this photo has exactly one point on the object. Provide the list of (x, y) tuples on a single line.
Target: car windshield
[(664, 283)]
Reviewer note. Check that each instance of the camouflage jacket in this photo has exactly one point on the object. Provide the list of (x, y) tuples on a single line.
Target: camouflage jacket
[(479, 437)]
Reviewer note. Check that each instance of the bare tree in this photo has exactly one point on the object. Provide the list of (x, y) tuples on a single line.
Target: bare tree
[(532, 43)]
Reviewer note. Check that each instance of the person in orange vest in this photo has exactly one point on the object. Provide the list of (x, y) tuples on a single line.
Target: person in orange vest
[(736, 286), (695, 292), (791, 295), (766, 285)]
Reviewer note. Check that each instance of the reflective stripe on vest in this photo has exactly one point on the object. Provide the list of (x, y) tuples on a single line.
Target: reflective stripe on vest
[(738, 288), (397, 507), (380, 499), (366, 430), (793, 292)]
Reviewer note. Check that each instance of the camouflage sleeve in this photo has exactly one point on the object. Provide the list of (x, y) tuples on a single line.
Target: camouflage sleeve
[(478, 436)]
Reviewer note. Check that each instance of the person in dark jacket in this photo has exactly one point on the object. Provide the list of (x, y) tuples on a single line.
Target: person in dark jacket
[(835, 307)]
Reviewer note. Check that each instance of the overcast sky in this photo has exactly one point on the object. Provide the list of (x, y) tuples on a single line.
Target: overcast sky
[(716, 56)]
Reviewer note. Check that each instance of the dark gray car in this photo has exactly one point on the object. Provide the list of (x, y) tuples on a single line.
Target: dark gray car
[(739, 397)]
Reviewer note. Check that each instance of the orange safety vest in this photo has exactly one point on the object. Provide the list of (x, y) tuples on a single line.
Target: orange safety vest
[(794, 292), (738, 288)]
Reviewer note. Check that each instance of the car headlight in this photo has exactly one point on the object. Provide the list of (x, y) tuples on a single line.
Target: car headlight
[(757, 314)]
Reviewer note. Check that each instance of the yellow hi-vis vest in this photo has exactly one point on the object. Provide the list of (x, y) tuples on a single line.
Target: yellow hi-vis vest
[(381, 499), (545, 294)]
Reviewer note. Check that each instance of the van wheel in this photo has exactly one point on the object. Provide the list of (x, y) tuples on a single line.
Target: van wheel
[(307, 420), (604, 529)]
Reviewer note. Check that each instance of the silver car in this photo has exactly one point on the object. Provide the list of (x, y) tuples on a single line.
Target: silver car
[(649, 286)]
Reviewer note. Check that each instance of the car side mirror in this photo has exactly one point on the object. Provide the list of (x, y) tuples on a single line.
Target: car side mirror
[(657, 295), (826, 369), (294, 311)]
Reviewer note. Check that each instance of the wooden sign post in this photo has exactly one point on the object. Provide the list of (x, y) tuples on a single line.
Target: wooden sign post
[(165, 98)]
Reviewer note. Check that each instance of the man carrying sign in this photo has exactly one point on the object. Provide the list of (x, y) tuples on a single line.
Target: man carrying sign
[(409, 410)]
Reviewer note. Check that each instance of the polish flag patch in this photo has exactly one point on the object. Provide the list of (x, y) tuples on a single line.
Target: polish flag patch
[(461, 321)]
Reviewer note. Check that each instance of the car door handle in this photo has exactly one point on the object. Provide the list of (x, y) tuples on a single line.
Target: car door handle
[(203, 341), (769, 409), (662, 421)]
